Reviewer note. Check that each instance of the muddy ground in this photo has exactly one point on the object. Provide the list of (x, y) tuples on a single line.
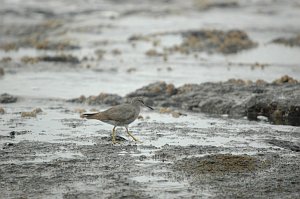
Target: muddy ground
[(221, 75)]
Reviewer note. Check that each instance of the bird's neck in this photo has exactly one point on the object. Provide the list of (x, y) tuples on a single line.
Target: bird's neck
[(136, 106)]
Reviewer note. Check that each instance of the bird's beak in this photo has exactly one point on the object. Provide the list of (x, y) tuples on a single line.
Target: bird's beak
[(149, 107)]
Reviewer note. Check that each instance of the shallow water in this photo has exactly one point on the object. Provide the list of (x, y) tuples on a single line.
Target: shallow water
[(61, 81)]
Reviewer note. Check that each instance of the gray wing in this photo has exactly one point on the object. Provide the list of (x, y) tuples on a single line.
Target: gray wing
[(120, 113)]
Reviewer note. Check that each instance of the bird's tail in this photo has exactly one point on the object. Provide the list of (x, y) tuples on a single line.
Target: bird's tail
[(89, 115)]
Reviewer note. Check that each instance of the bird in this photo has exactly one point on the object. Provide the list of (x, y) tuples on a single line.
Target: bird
[(119, 115)]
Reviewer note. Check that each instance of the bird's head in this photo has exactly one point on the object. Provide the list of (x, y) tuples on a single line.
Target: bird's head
[(140, 102)]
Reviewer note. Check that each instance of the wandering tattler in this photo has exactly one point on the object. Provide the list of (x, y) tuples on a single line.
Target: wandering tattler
[(120, 115)]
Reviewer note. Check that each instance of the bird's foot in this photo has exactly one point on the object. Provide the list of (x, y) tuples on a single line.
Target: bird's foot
[(115, 142), (139, 141), (135, 139)]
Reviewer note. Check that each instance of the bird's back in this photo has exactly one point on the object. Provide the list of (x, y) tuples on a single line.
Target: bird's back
[(122, 114), (119, 115)]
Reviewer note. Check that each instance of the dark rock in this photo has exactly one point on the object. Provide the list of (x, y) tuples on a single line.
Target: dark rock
[(142, 157), (212, 41), (205, 5), (158, 89), (7, 98), (238, 100), (156, 94), (8, 145), (279, 102), (102, 98), (294, 41), (80, 99), (118, 139), (63, 58), (12, 134), (1, 72), (285, 79), (285, 144)]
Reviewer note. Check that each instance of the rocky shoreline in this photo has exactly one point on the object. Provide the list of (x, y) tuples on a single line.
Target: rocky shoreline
[(278, 101)]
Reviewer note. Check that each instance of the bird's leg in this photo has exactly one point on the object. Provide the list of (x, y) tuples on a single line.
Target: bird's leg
[(131, 135), (114, 135)]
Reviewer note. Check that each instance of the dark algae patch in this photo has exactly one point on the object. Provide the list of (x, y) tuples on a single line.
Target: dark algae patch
[(206, 5), (226, 42), (204, 40), (39, 36), (293, 146), (57, 58), (220, 163), (292, 42), (268, 175)]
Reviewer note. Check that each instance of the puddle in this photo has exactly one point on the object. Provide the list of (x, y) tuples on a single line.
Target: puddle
[(46, 127), (43, 158), (160, 187)]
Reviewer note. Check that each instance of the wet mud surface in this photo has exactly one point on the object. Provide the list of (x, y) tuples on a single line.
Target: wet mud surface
[(58, 154), (224, 88)]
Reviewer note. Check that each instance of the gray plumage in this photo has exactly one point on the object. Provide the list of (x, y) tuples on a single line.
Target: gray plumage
[(120, 115)]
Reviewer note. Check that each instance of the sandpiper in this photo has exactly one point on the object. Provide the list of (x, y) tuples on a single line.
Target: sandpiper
[(120, 115)]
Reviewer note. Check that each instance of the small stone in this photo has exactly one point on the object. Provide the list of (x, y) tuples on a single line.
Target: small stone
[(1, 71), (79, 110), (6, 59), (7, 145), (140, 117), (175, 114), (165, 110), (153, 53), (260, 82), (28, 114), (285, 79), (130, 70), (170, 89), (37, 110), (142, 157), (116, 52), (169, 69), (12, 134), (7, 98), (31, 113)]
